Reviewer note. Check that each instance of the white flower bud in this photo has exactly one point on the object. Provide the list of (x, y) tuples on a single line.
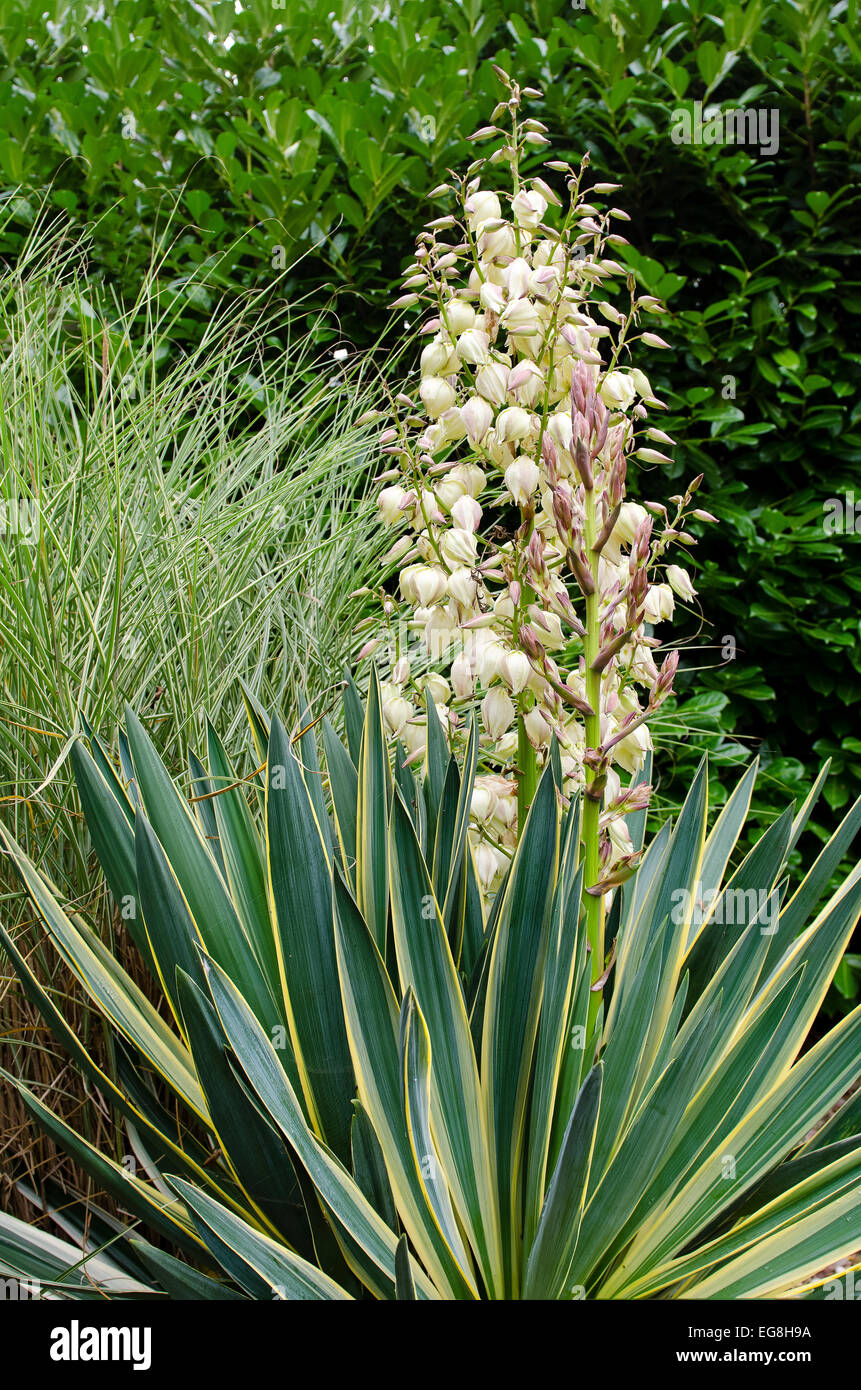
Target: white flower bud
[(437, 395), (517, 277), (401, 672), (631, 517), (521, 479), (485, 864), (497, 712), (438, 688), (560, 429), (396, 712), (489, 661)]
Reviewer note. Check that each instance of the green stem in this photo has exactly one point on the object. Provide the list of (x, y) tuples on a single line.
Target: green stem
[(527, 773), (592, 803)]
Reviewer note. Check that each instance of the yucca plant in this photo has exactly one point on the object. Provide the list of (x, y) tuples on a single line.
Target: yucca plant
[(361, 1087)]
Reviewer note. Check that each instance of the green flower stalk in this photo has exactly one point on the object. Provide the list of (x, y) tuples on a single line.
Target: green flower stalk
[(530, 587)]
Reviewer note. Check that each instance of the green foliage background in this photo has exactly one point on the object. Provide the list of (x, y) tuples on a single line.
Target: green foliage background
[(238, 139)]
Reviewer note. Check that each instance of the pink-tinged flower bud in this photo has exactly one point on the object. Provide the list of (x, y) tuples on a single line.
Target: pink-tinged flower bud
[(483, 803), (528, 209), (526, 381), (651, 456), (515, 670), (659, 604), (428, 583), (459, 547), (514, 592), (491, 298), (620, 839), (618, 391), (435, 357), (390, 501), (458, 316), (401, 671), (521, 479), (477, 417), (652, 340), (680, 582), (517, 278), (467, 513), (491, 382), (513, 423), (481, 206), (462, 677), (471, 478), (368, 649), (497, 712), (397, 552), (473, 347), (437, 395), (538, 730), (530, 644)]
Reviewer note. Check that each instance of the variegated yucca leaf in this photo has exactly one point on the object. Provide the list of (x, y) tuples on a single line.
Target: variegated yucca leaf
[(364, 1085)]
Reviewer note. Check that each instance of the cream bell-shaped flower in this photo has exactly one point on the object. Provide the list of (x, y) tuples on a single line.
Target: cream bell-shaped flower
[(521, 479), (473, 347), (538, 730), (515, 669), (435, 357), (437, 395), (680, 582), (477, 417), (659, 604), (618, 391), (470, 476), (484, 799), (630, 752), (458, 547), (458, 316), (463, 587), (463, 676), (491, 382), (390, 501), (513, 423), (467, 513), (482, 206), (396, 710), (497, 712), (528, 209)]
